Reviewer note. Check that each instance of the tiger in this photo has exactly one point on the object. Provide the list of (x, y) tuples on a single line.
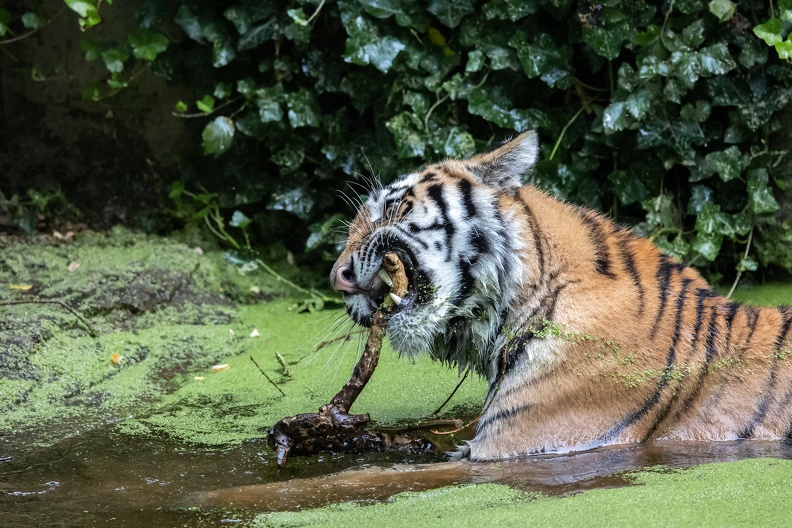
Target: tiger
[(587, 334)]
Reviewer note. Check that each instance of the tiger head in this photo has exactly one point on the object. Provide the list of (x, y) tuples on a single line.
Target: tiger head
[(460, 248)]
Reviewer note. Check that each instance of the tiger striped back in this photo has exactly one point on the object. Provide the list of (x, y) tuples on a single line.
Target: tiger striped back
[(587, 333)]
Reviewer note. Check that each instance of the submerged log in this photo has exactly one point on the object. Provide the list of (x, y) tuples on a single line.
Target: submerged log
[(332, 428)]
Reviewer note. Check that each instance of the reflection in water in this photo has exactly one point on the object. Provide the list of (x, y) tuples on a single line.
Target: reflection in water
[(107, 477)]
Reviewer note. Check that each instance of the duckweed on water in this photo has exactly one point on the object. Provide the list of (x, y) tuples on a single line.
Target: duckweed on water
[(167, 312), (754, 492)]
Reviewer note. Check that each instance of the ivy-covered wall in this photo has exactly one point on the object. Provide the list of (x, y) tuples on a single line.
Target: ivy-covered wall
[(671, 116)]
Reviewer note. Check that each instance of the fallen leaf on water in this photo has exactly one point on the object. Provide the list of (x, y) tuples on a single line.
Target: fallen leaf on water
[(73, 265), (116, 359), (21, 287), (255, 333), (222, 366)]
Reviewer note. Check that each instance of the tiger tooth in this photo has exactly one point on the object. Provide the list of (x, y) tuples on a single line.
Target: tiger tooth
[(395, 298), (385, 277)]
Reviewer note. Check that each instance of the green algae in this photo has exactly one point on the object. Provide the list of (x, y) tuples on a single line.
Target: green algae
[(171, 313), (753, 492), (238, 404), (161, 308)]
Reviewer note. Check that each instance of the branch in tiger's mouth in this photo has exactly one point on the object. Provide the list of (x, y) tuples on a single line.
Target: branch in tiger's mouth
[(394, 286), (333, 428)]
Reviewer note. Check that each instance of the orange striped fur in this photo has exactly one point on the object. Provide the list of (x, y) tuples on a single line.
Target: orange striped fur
[(588, 334)]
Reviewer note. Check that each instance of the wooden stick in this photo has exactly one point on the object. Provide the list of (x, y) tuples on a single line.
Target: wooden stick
[(333, 428)]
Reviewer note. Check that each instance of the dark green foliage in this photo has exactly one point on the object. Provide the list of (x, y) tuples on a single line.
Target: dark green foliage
[(665, 115)]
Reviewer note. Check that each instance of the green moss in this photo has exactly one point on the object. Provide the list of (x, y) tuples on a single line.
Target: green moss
[(745, 493)]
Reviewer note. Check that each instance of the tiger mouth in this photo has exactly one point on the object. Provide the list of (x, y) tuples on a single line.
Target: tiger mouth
[(380, 292)]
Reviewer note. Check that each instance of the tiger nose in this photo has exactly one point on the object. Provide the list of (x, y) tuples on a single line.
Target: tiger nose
[(344, 280)]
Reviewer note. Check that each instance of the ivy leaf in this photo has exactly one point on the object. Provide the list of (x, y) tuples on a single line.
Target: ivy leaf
[(5, 20), (406, 129), (180, 107), (761, 195), (222, 90), (92, 49), (687, 68), (615, 118), (722, 9), (298, 16), (218, 136), (648, 37), (240, 220), (382, 8), (638, 103), (716, 59), (365, 45), (517, 9), (114, 59), (694, 34), (450, 12), (629, 187), (500, 58), (89, 16), (475, 61), (785, 10), (607, 40), (494, 106), (728, 163), (176, 189), (784, 49), (747, 264), (206, 105), (303, 109), (269, 110), (708, 245), (698, 112), (453, 142), (117, 82), (700, 196), (190, 23), (289, 158), (770, 31), (258, 35), (32, 21), (146, 45), (542, 57)]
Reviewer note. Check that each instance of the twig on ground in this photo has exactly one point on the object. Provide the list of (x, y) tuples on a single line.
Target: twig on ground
[(74, 312), (265, 375)]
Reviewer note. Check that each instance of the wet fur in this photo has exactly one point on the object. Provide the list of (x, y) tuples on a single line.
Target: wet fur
[(587, 333)]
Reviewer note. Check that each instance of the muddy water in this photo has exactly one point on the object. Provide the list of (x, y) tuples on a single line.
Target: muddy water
[(104, 477)]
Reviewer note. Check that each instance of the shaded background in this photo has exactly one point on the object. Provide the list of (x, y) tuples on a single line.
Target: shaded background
[(251, 118)]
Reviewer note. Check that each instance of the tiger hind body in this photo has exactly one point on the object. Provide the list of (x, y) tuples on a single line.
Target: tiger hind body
[(587, 333)]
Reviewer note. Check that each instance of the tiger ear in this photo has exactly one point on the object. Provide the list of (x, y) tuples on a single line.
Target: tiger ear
[(504, 166)]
